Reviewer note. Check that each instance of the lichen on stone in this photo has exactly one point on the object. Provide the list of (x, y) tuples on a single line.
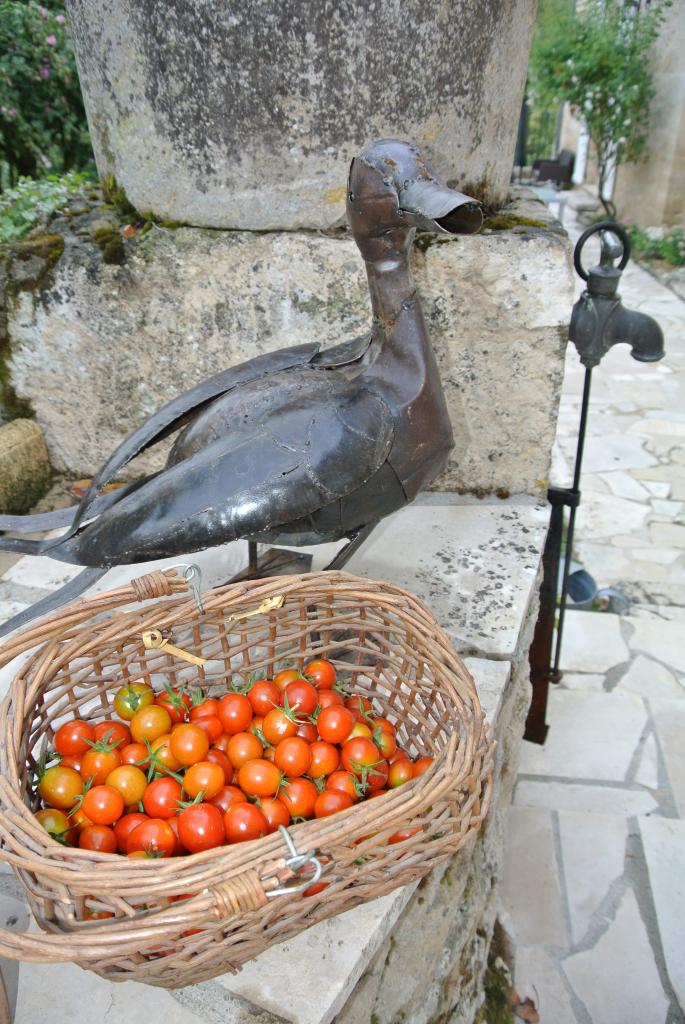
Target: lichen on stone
[(506, 221)]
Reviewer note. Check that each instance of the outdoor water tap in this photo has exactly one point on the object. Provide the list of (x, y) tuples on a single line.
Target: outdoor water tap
[(599, 319)]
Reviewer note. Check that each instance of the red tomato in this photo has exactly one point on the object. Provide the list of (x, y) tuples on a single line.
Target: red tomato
[(130, 782), (328, 697), (278, 726), (404, 833), (115, 733), (330, 801), (244, 821), (217, 756), (162, 756), (211, 725), (360, 706), (188, 743), (263, 696), (293, 756), (78, 819), (154, 836), (307, 731), (103, 805), (201, 827), (259, 778), (325, 759), (359, 754), (227, 796), (134, 753), (275, 812), (302, 696), (162, 798), (400, 755), (99, 762), (60, 787), (376, 777), (74, 738), (256, 725), (223, 741), (243, 747), (179, 849), (400, 772), (124, 827), (175, 702), (321, 673), (422, 765), (235, 712), (207, 708), (345, 782), (335, 724), (384, 723), (203, 777), (385, 741), (299, 796), (98, 837), (131, 698), (72, 761), (285, 676), (150, 722)]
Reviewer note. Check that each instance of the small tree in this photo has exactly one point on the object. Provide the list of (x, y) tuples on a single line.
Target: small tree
[(597, 58)]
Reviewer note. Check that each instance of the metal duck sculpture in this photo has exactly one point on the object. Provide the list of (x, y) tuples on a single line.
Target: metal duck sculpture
[(298, 446)]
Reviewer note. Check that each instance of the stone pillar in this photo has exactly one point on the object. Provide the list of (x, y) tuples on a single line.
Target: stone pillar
[(238, 115)]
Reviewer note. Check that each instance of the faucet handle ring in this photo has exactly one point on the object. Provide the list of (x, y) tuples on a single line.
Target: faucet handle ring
[(609, 252)]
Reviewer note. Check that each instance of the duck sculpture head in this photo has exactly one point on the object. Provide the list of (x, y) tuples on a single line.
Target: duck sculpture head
[(303, 445)]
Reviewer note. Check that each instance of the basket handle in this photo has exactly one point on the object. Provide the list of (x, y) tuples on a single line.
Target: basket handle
[(159, 583)]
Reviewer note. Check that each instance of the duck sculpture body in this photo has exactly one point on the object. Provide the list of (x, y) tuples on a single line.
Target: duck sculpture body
[(299, 446)]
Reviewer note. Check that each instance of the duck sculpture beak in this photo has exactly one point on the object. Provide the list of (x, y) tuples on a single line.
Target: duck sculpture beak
[(429, 205)]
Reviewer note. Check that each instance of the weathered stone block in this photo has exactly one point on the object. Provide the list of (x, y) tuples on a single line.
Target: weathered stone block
[(24, 466), (102, 347), (243, 115)]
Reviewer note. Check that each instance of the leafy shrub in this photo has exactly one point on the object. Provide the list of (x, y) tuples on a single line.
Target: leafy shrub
[(42, 120), (31, 202), (670, 247)]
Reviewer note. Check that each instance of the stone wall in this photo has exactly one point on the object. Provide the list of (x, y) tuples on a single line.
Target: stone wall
[(241, 115), (98, 347)]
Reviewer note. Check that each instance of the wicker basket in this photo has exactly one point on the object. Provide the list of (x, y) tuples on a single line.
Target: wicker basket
[(379, 636)]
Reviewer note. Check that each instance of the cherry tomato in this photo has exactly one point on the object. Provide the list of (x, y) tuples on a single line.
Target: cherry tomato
[(379, 792), (293, 756), (400, 772), (98, 837), (321, 673), (115, 733), (359, 754), (149, 723), (99, 762), (208, 708), (360, 706), (227, 796), (56, 824), (223, 741), (189, 743), (385, 741), (335, 724), (218, 757), (404, 833), (400, 755), (307, 731), (103, 805), (325, 759), (201, 827), (275, 812), (211, 725), (345, 782), (154, 836), (163, 757), (179, 849), (376, 777), (175, 702), (74, 737), (278, 726), (299, 796), (162, 798), (72, 761), (203, 777), (78, 819), (60, 787), (125, 826), (256, 725), (235, 712), (243, 747), (269, 754), (422, 765), (330, 801), (259, 778), (131, 698), (285, 676), (134, 753), (244, 821), (360, 729), (302, 696), (130, 782), (263, 696), (328, 697), (384, 723)]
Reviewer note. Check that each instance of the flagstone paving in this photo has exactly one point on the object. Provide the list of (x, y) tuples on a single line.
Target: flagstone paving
[(597, 829)]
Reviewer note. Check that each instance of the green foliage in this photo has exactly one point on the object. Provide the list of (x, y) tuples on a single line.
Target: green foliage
[(31, 202), (596, 57), (42, 120), (670, 247)]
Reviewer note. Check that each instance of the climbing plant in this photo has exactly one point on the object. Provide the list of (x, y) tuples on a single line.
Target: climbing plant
[(596, 57)]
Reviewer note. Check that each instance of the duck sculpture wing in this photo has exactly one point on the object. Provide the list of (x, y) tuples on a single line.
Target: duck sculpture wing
[(258, 457)]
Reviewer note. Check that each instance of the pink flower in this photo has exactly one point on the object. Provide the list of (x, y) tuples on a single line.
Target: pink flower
[(43, 12), (44, 72), (60, 19), (51, 40)]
